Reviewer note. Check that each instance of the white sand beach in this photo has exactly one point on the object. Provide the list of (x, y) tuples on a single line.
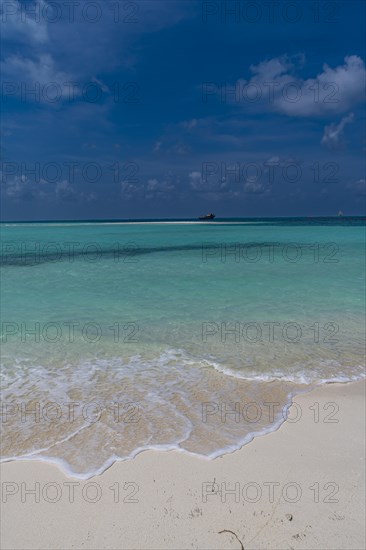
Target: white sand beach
[(301, 487)]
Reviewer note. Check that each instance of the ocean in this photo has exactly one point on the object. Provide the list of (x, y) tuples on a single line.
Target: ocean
[(119, 337)]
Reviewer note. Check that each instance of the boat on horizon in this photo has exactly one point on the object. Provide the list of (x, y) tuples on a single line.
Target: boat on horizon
[(210, 216)]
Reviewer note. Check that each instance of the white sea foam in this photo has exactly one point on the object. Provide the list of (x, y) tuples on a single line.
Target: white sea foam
[(172, 387)]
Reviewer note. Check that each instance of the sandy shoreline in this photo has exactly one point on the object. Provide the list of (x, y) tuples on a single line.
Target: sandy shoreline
[(302, 486)]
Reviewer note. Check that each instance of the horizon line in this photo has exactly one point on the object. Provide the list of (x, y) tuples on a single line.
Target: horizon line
[(111, 220)]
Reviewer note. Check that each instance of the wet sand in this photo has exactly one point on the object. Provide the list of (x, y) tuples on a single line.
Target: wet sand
[(302, 486)]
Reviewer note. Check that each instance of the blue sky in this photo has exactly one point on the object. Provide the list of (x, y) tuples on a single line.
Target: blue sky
[(155, 109)]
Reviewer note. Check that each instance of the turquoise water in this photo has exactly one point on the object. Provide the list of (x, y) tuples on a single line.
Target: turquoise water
[(163, 318)]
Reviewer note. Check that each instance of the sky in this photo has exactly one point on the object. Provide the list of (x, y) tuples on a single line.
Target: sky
[(176, 108)]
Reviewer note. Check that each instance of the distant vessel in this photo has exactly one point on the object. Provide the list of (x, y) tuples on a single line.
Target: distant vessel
[(340, 214), (207, 217)]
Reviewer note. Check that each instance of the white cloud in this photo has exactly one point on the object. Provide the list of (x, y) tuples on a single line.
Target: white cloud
[(67, 193), (189, 124), (333, 134), (36, 78), (254, 187), (152, 189), (180, 149), (39, 79), (334, 90), (43, 27), (129, 191), (101, 85), (22, 188), (158, 189), (19, 24), (195, 181), (273, 160)]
